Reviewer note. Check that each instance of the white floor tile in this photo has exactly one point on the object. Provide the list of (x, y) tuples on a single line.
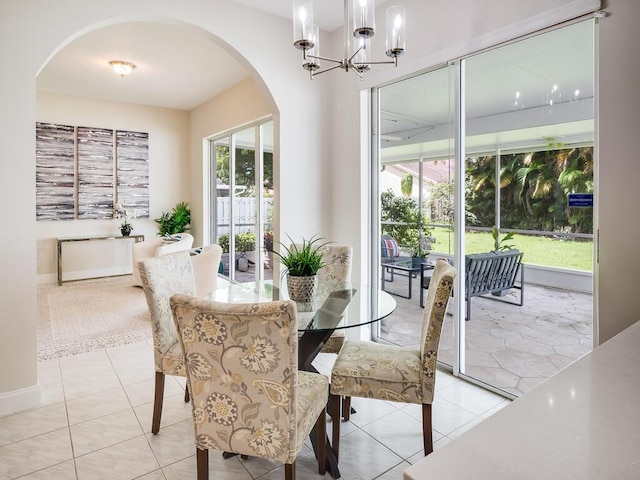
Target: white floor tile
[(470, 397), (102, 432), (35, 453), (126, 460), (97, 405)]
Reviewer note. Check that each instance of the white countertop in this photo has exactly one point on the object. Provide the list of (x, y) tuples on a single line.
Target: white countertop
[(583, 423)]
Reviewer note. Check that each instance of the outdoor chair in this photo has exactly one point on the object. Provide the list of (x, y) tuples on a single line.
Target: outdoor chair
[(394, 373), (248, 396), (162, 277)]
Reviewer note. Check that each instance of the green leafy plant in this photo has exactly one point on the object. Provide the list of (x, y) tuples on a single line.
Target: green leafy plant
[(301, 260), (498, 242), (401, 218), (245, 242), (406, 185), (176, 221)]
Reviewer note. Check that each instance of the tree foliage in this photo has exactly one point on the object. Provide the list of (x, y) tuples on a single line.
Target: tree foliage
[(534, 188), (245, 169), (402, 220)]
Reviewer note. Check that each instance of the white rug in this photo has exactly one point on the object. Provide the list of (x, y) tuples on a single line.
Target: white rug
[(90, 315)]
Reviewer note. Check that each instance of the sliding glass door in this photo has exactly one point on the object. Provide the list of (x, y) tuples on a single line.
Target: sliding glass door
[(414, 192), (529, 116), (489, 153), (242, 201)]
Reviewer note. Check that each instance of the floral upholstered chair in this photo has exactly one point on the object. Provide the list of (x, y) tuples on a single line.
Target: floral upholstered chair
[(162, 277), (393, 373), (337, 266), (157, 246), (248, 396)]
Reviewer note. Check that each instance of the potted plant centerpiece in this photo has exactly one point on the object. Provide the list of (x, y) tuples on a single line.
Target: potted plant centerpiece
[(301, 263)]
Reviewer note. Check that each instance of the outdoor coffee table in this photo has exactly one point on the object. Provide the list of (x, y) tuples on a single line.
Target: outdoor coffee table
[(407, 267)]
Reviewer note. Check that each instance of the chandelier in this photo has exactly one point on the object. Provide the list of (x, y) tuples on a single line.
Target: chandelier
[(357, 57)]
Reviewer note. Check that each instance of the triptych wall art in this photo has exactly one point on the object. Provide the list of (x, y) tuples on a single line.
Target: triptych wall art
[(81, 172)]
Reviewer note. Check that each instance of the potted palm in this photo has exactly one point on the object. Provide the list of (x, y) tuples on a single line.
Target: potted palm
[(176, 221), (301, 263)]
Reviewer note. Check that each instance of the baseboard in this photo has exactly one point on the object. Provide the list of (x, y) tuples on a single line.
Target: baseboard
[(84, 274), (22, 399)]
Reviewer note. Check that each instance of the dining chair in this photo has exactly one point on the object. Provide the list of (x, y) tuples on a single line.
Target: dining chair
[(394, 373), (337, 261), (162, 277), (157, 246), (248, 396), (206, 263)]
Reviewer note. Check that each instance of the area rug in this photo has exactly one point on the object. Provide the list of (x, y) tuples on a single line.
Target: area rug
[(90, 315)]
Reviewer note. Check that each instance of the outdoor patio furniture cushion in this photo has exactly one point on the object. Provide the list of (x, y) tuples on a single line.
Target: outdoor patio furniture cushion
[(389, 247)]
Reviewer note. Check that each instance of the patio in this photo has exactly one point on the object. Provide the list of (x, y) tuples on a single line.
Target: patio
[(510, 347)]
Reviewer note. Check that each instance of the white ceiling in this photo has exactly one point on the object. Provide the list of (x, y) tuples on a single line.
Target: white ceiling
[(175, 67)]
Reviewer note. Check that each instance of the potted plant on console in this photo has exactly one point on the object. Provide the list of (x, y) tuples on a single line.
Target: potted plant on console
[(120, 211), (301, 263)]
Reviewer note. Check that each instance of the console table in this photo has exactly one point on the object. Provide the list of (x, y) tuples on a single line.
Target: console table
[(90, 238)]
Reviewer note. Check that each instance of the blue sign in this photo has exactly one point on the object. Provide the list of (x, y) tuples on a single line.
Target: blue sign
[(580, 200)]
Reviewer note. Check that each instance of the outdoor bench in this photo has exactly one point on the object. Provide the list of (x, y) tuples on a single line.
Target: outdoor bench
[(491, 272)]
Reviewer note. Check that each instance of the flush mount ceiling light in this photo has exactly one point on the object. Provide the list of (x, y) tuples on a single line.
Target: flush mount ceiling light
[(122, 68), (306, 36)]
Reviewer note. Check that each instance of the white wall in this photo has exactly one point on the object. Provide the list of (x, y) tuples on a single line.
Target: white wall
[(618, 162), (236, 106), (168, 182), (30, 33)]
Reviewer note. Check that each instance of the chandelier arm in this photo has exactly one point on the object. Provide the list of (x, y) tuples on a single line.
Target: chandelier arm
[(326, 70), (387, 62), (361, 75), (325, 59), (354, 54)]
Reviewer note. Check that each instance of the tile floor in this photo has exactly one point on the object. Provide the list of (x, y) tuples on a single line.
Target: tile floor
[(95, 422)]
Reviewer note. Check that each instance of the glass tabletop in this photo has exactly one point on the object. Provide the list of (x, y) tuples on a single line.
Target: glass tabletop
[(407, 263), (337, 304)]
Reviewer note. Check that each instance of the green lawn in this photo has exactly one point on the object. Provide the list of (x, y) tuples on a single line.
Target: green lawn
[(551, 252)]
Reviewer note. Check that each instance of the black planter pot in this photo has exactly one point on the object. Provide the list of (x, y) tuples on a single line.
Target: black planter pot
[(125, 231)]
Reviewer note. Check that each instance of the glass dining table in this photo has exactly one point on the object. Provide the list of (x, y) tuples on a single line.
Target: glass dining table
[(336, 305)]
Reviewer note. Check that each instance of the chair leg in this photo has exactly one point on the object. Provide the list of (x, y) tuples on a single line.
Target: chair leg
[(289, 471), (157, 403), (346, 408), (186, 393), (321, 454), (202, 462), (334, 412), (427, 432)]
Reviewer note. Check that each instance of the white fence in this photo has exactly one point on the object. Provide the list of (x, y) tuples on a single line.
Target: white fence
[(245, 214)]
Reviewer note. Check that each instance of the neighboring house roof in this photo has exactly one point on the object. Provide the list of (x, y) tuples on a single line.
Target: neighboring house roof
[(436, 171)]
